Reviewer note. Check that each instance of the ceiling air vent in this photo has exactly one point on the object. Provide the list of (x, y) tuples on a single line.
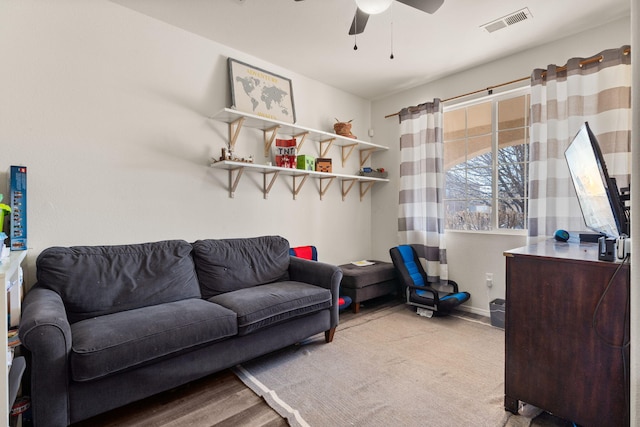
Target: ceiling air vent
[(510, 19)]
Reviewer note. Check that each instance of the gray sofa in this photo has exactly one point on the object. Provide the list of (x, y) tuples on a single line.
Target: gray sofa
[(108, 325)]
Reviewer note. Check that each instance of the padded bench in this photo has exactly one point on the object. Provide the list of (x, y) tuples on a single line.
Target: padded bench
[(363, 283)]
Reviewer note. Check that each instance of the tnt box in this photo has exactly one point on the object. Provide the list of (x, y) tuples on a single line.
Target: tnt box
[(323, 165), (307, 163), (286, 150), (18, 201)]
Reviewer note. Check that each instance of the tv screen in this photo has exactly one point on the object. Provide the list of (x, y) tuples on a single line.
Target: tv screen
[(598, 195)]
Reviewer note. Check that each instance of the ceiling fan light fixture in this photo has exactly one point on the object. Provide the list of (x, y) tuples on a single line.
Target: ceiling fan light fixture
[(373, 7)]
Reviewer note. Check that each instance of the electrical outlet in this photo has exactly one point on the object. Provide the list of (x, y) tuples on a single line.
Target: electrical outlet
[(489, 280)]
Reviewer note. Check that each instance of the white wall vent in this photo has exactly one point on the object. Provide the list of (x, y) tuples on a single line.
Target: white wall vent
[(510, 19)]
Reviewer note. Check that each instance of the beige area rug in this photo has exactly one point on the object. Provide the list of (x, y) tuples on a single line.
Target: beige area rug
[(390, 367)]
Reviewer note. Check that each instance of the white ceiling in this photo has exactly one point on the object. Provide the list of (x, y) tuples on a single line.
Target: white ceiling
[(310, 37)]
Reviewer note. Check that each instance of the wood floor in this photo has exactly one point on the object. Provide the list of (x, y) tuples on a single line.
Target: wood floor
[(217, 400)]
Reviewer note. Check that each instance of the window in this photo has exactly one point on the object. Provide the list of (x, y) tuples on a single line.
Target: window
[(486, 155)]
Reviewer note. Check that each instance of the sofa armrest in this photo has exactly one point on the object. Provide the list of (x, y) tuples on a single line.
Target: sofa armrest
[(320, 274), (46, 334)]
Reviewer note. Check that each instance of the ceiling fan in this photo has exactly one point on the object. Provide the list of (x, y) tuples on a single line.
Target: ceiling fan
[(373, 7)]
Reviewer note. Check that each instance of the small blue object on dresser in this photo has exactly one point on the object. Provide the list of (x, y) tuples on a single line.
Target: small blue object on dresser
[(561, 235)]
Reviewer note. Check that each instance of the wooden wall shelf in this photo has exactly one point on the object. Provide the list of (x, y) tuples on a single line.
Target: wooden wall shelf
[(271, 173), (236, 120)]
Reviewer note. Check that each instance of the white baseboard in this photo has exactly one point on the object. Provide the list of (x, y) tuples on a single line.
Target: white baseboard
[(474, 310)]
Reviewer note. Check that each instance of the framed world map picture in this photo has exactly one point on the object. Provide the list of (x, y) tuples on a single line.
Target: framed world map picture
[(260, 92)]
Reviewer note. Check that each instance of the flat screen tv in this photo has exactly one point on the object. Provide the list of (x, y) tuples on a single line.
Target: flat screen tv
[(600, 201)]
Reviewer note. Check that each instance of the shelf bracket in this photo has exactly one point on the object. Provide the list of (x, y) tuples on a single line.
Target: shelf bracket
[(346, 152), (269, 137), (267, 187), (325, 145), (302, 137), (365, 186), (365, 154), (324, 188), (298, 187), (346, 190), (233, 182), (234, 131)]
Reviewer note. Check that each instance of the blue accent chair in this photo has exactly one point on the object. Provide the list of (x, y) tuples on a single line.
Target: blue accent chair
[(419, 291)]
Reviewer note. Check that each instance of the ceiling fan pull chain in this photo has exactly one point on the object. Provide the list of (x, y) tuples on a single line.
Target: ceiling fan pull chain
[(391, 56), (355, 34)]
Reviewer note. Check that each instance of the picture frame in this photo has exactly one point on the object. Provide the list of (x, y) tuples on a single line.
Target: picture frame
[(261, 92)]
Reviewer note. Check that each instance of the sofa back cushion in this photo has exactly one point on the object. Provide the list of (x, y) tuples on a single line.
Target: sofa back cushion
[(230, 264), (98, 280)]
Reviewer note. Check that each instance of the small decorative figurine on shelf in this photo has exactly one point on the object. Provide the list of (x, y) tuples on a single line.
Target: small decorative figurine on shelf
[(324, 165), (227, 154), (343, 129), (378, 173)]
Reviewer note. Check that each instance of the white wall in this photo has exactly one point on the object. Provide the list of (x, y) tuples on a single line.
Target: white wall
[(108, 110), (472, 255)]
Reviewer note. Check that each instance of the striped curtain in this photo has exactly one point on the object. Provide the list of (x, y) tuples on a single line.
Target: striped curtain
[(421, 209), (595, 90)]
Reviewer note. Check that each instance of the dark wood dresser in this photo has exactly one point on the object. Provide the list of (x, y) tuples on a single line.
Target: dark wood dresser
[(567, 333)]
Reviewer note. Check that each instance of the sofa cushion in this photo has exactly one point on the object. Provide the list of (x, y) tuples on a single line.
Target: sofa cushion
[(115, 342), (230, 264), (98, 280), (266, 305)]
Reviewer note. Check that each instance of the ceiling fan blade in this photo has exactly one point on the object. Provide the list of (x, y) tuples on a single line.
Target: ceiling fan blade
[(359, 22), (429, 6)]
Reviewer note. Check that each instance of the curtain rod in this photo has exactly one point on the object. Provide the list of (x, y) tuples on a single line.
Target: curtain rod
[(490, 88)]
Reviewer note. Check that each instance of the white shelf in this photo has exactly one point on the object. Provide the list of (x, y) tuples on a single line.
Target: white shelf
[(11, 277), (237, 119), (229, 115), (236, 170), (9, 268), (15, 378)]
